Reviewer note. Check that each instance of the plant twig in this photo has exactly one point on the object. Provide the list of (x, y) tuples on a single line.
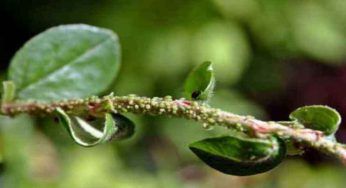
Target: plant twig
[(189, 110)]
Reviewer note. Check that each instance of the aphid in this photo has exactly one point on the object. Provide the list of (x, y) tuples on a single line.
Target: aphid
[(195, 94)]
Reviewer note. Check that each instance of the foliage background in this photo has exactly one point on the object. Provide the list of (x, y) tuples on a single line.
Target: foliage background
[(270, 56)]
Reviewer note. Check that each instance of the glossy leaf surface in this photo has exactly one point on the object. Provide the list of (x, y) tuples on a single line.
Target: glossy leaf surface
[(64, 62), (240, 156), (199, 84)]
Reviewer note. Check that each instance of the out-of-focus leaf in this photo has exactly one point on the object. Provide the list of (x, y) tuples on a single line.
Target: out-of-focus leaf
[(242, 10), (321, 176), (173, 44), (271, 19), (9, 91), (240, 156), (199, 85), (17, 137), (69, 61), (87, 133), (316, 32), (264, 75), (318, 117), (224, 44)]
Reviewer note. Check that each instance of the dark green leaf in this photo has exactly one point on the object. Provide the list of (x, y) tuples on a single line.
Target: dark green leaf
[(199, 85), (318, 117), (240, 156), (96, 130), (64, 62)]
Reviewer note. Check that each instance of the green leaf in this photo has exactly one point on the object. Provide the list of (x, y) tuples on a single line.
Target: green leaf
[(318, 117), (199, 84), (98, 130), (18, 145), (240, 156), (9, 91), (65, 62)]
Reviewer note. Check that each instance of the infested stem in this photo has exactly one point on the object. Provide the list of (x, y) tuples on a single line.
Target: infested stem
[(182, 108)]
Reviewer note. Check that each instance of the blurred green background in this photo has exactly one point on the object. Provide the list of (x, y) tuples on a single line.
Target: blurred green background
[(270, 56)]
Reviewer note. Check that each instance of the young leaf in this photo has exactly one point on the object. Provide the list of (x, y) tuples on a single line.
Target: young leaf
[(64, 62), (9, 91), (199, 84), (318, 117), (240, 156), (87, 132)]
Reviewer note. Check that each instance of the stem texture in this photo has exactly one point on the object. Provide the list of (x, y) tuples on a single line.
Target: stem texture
[(182, 108)]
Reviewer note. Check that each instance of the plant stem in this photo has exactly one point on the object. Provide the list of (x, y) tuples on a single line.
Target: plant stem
[(189, 110)]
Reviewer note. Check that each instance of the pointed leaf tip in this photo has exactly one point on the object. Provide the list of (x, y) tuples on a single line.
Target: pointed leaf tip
[(240, 156), (199, 84), (318, 117)]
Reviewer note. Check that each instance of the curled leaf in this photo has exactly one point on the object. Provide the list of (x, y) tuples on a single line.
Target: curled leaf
[(97, 130), (199, 84), (238, 155), (318, 117)]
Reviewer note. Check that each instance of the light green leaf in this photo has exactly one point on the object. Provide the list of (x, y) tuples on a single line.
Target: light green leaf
[(240, 156), (9, 91), (17, 146), (64, 62), (99, 130), (318, 117), (316, 32), (199, 84)]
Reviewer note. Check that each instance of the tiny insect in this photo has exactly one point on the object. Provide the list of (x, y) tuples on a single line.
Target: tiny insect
[(195, 94)]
